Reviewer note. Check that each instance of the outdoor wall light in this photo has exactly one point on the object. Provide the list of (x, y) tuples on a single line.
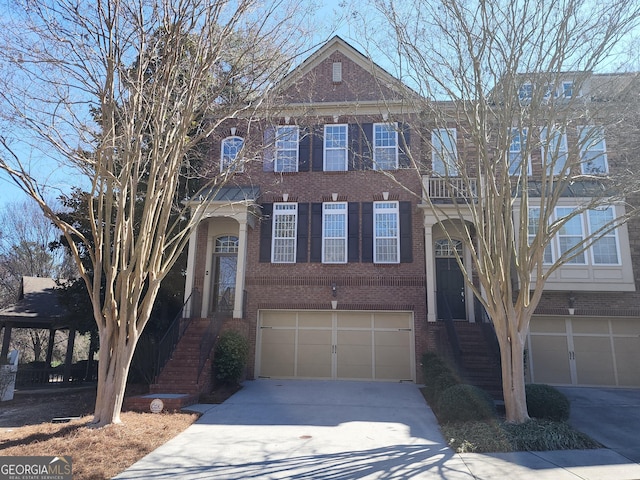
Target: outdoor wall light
[(334, 289), (572, 304)]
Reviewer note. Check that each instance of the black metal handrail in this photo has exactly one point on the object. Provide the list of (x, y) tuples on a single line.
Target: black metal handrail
[(174, 333), (451, 332), (208, 340)]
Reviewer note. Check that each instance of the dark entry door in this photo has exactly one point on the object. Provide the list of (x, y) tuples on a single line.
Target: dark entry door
[(224, 282), (450, 285)]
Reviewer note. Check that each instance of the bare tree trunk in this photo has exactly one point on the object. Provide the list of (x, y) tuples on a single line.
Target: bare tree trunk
[(513, 390)]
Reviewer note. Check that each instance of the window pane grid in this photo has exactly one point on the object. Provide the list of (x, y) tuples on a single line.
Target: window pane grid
[(593, 155), (285, 216), (570, 234), (335, 148), (533, 226), (443, 141), (286, 149), (231, 147), (554, 150), (385, 148), (386, 232), (605, 249), (334, 233)]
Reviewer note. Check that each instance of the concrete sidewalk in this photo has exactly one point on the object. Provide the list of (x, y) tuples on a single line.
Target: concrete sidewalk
[(346, 430)]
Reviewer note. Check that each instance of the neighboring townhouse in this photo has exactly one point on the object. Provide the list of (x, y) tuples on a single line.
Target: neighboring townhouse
[(322, 250)]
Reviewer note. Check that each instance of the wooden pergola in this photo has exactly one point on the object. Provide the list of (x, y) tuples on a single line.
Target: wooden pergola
[(38, 308)]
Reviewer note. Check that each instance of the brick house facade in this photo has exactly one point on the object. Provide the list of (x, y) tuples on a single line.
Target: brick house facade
[(333, 269)]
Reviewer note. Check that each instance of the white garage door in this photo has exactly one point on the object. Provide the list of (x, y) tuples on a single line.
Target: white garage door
[(585, 351), (336, 345)]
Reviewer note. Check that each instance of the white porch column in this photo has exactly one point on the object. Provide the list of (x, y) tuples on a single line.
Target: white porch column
[(430, 270), (240, 268), (189, 280), (206, 286)]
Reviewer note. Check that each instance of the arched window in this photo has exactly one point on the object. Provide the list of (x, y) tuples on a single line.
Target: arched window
[(227, 244), (230, 149), (447, 249)]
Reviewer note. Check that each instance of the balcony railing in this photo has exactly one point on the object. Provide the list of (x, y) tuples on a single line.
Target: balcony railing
[(450, 188)]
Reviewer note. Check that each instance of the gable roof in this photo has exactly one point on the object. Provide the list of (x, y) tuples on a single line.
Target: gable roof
[(38, 305), (335, 45)]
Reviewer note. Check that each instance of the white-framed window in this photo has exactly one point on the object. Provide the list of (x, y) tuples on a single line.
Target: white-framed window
[(570, 234), (554, 149), (335, 148), (230, 149), (532, 230), (605, 251), (334, 232), (385, 146), (567, 89), (525, 92), (593, 151), (285, 227), (286, 151), (386, 232), (445, 152), (516, 148)]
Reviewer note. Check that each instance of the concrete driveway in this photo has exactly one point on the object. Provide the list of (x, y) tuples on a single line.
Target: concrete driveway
[(310, 429), (609, 415), (347, 430)]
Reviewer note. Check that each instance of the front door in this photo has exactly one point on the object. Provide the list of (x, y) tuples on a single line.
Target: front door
[(225, 264), (450, 285)]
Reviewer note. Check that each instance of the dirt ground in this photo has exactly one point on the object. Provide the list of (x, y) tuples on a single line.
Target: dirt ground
[(26, 428)]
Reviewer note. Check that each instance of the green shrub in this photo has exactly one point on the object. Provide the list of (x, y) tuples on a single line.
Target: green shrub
[(230, 358), (541, 435), (438, 376), (546, 402), (464, 403), (476, 437)]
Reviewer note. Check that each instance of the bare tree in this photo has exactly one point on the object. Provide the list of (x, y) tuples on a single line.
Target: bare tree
[(24, 249), (512, 77), (126, 92)]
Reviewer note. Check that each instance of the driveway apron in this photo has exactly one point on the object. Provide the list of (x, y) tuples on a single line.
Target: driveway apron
[(310, 429)]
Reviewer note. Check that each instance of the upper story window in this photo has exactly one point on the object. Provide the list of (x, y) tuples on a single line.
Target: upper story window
[(335, 148), (285, 226), (554, 149), (286, 152), (605, 251), (567, 89), (516, 148), (525, 92), (532, 231), (386, 232), (385, 146), (229, 154), (445, 154), (593, 152), (334, 232), (571, 234)]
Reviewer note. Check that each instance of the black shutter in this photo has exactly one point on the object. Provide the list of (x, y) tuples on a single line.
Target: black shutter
[(367, 232), (367, 146), (316, 232), (406, 244), (266, 232), (302, 242), (354, 156), (304, 149), (353, 235), (404, 142), (317, 164), (268, 149)]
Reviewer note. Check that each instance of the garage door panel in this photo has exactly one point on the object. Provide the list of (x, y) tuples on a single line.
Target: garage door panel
[(550, 357), (277, 353), (278, 319), (594, 361), (315, 320), (354, 320), (628, 361), (392, 320)]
